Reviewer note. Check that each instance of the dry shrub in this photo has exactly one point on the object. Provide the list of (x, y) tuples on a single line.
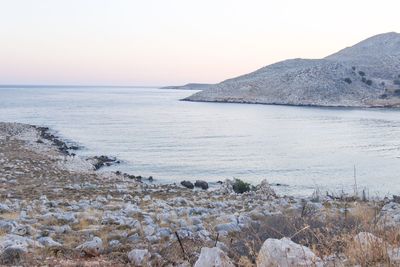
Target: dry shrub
[(366, 252), (192, 246), (330, 234), (81, 225), (10, 216)]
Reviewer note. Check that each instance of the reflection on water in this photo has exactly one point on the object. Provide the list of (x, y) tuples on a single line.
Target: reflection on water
[(155, 134)]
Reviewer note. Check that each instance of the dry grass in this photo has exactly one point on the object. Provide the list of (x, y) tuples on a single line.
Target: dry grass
[(82, 225), (173, 253), (331, 235), (10, 216)]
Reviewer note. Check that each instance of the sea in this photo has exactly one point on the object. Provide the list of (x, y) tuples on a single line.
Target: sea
[(300, 150)]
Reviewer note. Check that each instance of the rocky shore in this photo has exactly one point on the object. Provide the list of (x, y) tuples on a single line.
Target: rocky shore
[(56, 210)]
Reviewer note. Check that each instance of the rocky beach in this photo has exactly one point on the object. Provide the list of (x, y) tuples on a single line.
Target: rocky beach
[(56, 209)]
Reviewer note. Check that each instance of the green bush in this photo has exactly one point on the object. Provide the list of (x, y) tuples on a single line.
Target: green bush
[(240, 187), (348, 80), (383, 96), (368, 82), (361, 73)]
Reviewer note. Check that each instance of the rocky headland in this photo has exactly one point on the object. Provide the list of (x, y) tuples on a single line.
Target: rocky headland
[(189, 86), (364, 75), (57, 210)]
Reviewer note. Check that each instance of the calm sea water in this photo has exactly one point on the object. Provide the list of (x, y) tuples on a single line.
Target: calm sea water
[(155, 134)]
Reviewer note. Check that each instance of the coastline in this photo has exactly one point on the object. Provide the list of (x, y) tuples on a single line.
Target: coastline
[(365, 107), (58, 207)]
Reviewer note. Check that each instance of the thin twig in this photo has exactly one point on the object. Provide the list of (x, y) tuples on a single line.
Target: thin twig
[(301, 230), (180, 243), (216, 240)]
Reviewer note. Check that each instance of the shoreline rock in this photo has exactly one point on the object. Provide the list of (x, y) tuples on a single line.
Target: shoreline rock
[(187, 184), (201, 184)]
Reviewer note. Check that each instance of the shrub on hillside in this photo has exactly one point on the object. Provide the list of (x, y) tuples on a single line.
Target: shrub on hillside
[(348, 80), (369, 82), (240, 186), (361, 73)]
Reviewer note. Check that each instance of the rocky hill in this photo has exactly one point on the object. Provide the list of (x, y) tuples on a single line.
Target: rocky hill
[(364, 75)]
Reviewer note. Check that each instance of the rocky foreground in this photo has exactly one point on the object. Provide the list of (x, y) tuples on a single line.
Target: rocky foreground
[(56, 210)]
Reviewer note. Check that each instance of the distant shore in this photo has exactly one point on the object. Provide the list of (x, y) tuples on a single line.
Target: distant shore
[(235, 101)]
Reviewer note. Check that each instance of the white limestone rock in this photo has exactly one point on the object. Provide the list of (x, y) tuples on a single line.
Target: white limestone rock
[(12, 240), (139, 257), (286, 253), (92, 248), (4, 208), (213, 257), (49, 242)]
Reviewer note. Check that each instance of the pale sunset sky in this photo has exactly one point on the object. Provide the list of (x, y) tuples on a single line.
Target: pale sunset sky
[(168, 42)]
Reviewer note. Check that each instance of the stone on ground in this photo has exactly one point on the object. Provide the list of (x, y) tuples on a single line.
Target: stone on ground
[(139, 257), (92, 248), (213, 257), (286, 253)]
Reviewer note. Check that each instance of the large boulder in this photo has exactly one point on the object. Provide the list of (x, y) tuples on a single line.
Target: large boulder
[(213, 257), (202, 184), (12, 240), (49, 242), (187, 184), (92, 248), (139, 257), (286, 253)]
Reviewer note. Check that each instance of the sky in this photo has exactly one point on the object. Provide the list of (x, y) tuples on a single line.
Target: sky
[(170, 42)]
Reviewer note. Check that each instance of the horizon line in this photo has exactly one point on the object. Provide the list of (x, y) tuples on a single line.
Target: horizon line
[(74, 85)]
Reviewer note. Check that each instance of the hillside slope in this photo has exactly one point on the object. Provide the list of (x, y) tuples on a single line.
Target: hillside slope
[(364, 75)]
